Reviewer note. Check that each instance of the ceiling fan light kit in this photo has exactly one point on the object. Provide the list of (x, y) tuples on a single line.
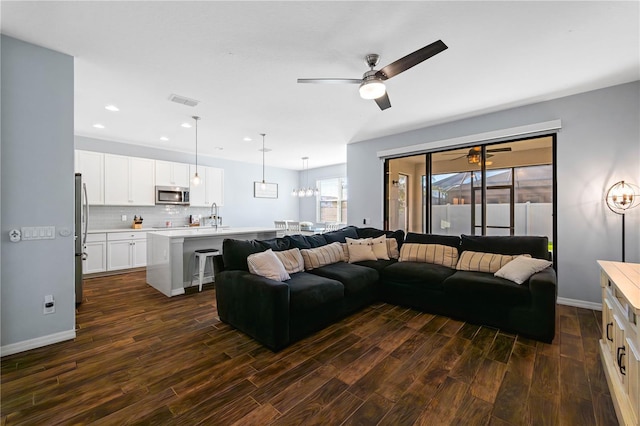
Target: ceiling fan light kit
[(372, 83)]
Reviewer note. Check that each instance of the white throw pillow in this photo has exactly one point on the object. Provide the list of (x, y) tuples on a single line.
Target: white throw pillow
[(379, 246), (521, 268), (268, 265), (360, 252)]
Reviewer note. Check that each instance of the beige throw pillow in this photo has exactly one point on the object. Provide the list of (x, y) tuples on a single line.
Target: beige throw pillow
[(320, 256), (359, 241), (379, 247), (360, 252), (484, 262), (291, 259), (429, 253), (268, 265), (392, 248)]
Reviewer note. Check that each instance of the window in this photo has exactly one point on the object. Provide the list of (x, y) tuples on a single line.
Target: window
[(332, 200)]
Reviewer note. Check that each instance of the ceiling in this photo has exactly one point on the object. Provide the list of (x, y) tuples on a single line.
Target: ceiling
[(241, 60)]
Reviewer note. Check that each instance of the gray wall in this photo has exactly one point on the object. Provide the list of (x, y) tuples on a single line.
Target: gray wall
[(308, 204), (240, 207), (598, 145), (37, 190)]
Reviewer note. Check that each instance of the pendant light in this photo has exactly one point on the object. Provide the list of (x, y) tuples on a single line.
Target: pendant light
[(308, 191), (196, 178), (263, 185)]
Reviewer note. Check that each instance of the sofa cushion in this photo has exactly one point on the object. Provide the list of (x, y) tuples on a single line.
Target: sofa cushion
[(266, 264), (309, 291), (320, 256), (305, 241), (340, 235), (429, 253), (446, 240), (427, 275), (378, 265), (486, 289), (235, 253), (483, 262), (355, 278), (537, 247), (276, 244), (291, 259)]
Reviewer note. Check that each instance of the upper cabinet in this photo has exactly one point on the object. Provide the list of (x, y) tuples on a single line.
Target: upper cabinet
[(169, 173), (211, 187), (91, 165), (129, 181)]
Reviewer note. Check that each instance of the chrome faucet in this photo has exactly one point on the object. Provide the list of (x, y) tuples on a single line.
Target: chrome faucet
[(214, 217)]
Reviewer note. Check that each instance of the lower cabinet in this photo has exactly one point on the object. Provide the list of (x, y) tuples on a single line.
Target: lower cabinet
[(621, 338), (96, 250), (126, 250)]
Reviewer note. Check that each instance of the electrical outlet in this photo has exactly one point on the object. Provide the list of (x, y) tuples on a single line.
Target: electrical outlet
[(123, 218), (49, 305), (366, 221)]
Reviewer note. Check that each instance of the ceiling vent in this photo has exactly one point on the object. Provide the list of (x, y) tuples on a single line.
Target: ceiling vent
[(184, 101)]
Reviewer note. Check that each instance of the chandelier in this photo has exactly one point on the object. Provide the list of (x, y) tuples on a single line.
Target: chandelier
[(306, 191)]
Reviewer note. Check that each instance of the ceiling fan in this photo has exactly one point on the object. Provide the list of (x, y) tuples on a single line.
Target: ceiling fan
[(474, 154), (372, 82)]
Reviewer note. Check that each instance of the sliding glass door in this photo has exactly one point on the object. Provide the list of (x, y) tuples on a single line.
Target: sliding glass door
[(497, 189)]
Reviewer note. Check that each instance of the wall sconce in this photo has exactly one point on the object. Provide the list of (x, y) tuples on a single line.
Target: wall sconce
[(621, 197)]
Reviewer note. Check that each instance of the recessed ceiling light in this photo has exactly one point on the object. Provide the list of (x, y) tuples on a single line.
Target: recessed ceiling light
[(247, 139), (112, 108), (98, 126), (186, 125), (164, 138)]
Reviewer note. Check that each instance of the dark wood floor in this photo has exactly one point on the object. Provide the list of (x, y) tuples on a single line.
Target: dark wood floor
[(140, 357)]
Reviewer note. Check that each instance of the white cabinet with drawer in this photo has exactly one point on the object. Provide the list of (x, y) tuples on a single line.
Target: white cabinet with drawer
[(620, 341), (126, 250), (96, 250)]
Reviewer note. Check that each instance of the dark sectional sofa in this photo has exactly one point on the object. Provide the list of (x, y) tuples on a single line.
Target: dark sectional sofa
[(279, 313)]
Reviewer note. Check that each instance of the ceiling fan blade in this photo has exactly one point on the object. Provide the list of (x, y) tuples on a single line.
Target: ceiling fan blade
[(412, 59), (507, 149), (330, 80), (383, 101)]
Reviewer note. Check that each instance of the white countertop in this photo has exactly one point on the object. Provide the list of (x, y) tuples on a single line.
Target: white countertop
[(202, 231), (102, 231)]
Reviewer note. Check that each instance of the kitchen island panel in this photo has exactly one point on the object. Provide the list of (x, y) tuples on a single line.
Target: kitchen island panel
[(170, 254)]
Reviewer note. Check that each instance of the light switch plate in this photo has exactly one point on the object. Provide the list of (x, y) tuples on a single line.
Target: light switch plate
[(38, 233)]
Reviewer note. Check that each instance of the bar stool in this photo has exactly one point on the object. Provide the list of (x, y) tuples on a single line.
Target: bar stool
[(201, 257)]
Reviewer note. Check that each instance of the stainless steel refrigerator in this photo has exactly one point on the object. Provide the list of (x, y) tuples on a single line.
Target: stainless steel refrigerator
[(81, 226)]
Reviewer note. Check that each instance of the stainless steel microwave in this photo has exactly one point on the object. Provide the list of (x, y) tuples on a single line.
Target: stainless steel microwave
[(172, 195)]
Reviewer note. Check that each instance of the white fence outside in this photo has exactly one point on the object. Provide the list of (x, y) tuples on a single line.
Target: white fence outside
[(530, 219)]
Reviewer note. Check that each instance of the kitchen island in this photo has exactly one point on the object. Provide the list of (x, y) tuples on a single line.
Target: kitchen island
[(170, 253)]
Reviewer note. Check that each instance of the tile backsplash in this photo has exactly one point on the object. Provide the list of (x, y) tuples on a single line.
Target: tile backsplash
[(109, 217)]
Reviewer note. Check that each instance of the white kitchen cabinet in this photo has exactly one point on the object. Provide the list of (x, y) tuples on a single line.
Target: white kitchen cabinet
[(126, 250), (169, 173), (211, 188), (91, 165), (129, 181), (621, 337), (96, 249)]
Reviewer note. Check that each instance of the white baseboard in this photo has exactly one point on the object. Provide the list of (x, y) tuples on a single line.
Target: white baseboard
[(38, 342), (580, 303)]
